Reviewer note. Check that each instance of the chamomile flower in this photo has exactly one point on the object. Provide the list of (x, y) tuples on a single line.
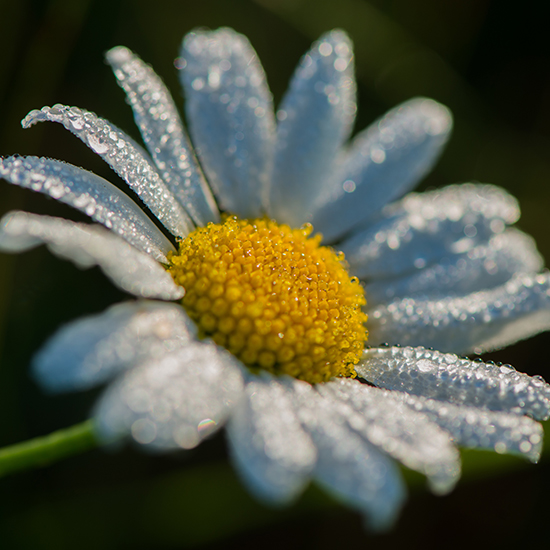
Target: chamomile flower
[(252, 318)]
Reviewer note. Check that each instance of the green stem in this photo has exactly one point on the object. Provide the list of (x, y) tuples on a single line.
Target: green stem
[(47, 449)]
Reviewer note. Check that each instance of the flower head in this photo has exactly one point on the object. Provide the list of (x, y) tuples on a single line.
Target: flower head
[(438, 269)]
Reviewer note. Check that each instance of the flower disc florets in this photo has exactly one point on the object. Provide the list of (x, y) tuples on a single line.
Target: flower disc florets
[(273, 297)]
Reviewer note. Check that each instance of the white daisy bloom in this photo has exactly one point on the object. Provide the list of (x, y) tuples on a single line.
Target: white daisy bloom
[(440, 269)]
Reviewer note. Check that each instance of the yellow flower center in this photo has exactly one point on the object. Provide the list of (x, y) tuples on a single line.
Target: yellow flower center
[(273, 297)]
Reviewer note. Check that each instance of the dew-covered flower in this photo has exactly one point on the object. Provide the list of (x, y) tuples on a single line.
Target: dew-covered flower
[(269, 338)]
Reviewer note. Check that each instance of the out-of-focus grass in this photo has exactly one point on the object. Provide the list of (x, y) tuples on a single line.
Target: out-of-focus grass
[(188, 508)]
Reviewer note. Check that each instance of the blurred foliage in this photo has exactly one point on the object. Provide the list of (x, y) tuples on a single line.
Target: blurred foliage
[(487, 60)]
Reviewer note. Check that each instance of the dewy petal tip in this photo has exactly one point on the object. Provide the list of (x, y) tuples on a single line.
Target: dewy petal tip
[(118, 54), (32, 118)]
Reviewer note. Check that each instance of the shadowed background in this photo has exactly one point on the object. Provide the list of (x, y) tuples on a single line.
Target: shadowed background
[(487, 61)]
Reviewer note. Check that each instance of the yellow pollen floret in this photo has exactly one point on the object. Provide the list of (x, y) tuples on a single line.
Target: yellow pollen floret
[(273, 297)]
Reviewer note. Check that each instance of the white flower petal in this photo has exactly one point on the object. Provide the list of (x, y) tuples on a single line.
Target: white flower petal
[(384, 161), (91, 350), (86, 246), (271, 450), (405, 434), (478, 322), (446, 377), (173, 402), (90, 194), (483, 267), (128, 159), (481, 429), (283, 430), (163, 133), (230, 114), (422, 228), (315, 118), (347, 464)]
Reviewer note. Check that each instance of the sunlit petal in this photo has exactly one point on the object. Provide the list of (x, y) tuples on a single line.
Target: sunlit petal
[(86, 246), (273, 453), (456, 380), (482, 267), (174, 401), (163, 133), (423, 228), (384, 162), (481, 429), (90, 194), (477, 322), (90, 351), (230, 114), (315, 118), (128, 159), (348, 465), (403, 433)]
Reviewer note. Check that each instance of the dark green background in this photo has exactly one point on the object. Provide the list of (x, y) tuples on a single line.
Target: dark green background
[(488, 61)]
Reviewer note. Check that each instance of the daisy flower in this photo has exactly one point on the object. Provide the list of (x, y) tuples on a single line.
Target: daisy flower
[(251, 319)]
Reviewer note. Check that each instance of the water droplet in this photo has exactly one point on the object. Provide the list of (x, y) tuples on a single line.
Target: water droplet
[(349, 186), (77, 123), (97, 145), (198, 84), (180, 63), (378, 156), (325, 49), (340, 64)]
